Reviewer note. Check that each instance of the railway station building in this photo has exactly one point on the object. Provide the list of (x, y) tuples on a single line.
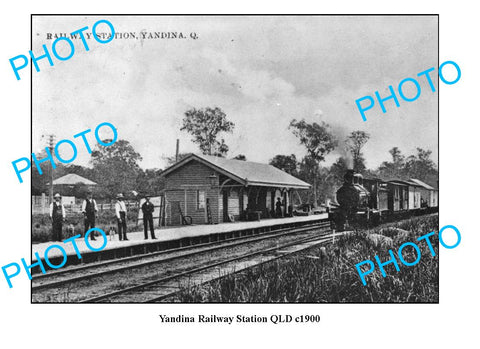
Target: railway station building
[(203, 189)]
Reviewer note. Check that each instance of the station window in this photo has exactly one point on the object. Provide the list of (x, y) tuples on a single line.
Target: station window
[(200, 199)]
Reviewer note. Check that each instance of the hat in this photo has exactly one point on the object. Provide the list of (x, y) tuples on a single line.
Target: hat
[(119, 196), (57, 195)]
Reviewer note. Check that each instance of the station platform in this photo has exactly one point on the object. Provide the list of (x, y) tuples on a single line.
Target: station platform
[(167, 238)]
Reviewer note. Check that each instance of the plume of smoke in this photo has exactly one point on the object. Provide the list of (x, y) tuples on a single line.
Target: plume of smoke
[(341, 133)]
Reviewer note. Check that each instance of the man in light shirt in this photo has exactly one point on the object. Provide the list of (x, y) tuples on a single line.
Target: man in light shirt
[(89, 210), (121, 213), (57, 215)]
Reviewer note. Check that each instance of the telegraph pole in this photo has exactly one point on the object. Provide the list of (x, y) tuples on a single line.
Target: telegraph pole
[(51, 145), (51, 139)]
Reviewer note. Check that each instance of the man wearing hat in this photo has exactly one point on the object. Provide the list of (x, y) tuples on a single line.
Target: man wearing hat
[(121, 213), (147, 209), (57, 215), (89, 210)]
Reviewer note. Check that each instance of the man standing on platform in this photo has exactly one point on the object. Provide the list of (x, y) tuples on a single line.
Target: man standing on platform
[(147, 209), (57, 215), (89, 209), (121, 213)]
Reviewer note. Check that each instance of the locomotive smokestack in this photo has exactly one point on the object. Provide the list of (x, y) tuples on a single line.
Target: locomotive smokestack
[(177, 150), (348, 177)]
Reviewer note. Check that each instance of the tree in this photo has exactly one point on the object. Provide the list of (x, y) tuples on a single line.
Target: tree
[(150, 182), (421, 166), (240, 157), (82, 171), (318, 140), (397, 157), (394, 169), (79, 190), (205, 125), (310, 172), (338, 170), (116, 167), (287, 163), (39, 182), (308, 169), (171, 160), (330, 179), (354, 143), (418, 166)]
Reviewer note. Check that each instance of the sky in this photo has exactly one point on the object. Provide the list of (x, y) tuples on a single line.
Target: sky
[(261, 71)]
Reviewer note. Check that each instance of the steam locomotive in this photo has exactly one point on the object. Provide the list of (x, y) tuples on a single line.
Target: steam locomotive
[(371, 201)]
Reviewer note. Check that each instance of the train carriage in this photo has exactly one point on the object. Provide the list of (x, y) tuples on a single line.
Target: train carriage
[(411, 191), (398, 196), (378, 194), (428, 195), (372, 200)]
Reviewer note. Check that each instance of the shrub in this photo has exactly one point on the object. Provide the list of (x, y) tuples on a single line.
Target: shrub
[(42, 226), (331, 275)]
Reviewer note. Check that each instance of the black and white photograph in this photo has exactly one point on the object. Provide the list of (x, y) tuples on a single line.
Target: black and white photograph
[(211, 174), (235, 159)]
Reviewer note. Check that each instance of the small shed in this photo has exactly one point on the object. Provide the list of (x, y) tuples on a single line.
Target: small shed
[(68, 184), (212, 189), (72, 179)]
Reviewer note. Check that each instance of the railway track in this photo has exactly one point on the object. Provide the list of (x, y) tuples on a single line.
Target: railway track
[(162, 288), (71, 276)]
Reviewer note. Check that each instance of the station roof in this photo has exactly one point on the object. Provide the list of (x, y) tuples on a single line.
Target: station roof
[(412, 182), (422, 184), (72, 179), (244, 172), (399, 181)]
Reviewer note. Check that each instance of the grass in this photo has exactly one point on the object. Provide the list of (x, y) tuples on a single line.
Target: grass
[(328, 274), (42, 226)]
